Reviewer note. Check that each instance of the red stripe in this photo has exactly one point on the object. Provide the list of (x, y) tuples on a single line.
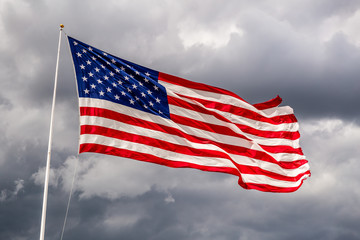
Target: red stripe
[(97, 148), (195, 85), (282, 149), (97, 130), (269, 104), (242, 112), (244, 128), (88, 111)]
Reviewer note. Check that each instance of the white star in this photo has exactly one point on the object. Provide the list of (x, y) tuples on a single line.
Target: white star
[(122, 68), (117, 97), (134, 86), (114, 84), (117, 70), (84, 79), (88, 62), (147, 74), (102, 66), (108, 89), (143, 94), (104, 53), (106, 77), (126, 78), (149, 92), (86, 91), (157, 100), (78, 54), (91, 74), (132, 101), (90, 48), (82, 66), (101, 93), (97, 70), (131, 76), (156, 87), (123, 93), (137, 73), (145, 106), (128, 89), (151, 104), (93, 58), (113, 61), (120, 82), (84, 50), (108, 63), (93, 86), (140, 83), (137, 99), (160, 112), (146, 80), (75, 43), (111, 74), (99, 81)]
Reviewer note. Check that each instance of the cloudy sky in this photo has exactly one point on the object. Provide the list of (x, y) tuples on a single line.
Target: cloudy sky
[(308, 52)]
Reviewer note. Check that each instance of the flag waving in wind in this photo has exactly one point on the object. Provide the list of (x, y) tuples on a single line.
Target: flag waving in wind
[(131, 111)]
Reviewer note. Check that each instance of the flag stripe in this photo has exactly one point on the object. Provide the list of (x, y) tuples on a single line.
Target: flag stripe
[(195, 85), (272, 103), (159, 152), (239, 111), (176, 90), (145, 157), (235, 149), (213, 131), (99, 125), (155, 121), (244, 128), (150, 141), (292, 127), (97, 148), (171, 156)]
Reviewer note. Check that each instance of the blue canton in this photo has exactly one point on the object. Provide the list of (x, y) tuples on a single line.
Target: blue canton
[(104, 76)]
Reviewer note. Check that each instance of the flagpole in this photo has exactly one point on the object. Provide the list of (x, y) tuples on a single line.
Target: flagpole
[(46, 183)]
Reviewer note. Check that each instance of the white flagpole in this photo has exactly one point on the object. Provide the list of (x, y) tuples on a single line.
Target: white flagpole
[(46, 183)]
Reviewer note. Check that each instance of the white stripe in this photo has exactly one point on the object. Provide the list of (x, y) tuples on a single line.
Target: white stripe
[(223, 99), (262, 179), (98, 103), (278, 111), (113, 124)]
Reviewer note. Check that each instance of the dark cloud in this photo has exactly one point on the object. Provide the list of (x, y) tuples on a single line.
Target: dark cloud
[(305, 51)]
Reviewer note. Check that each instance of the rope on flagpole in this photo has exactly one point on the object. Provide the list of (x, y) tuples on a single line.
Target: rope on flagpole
[(70, 195), (46, 183)]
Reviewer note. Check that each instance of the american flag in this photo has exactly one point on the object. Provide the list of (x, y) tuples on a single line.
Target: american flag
[(131, 111)]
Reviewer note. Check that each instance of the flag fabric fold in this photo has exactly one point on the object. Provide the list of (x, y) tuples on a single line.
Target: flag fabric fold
[(131, 111)]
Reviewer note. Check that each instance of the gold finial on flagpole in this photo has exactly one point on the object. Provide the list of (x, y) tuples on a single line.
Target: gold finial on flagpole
[(62, 25)]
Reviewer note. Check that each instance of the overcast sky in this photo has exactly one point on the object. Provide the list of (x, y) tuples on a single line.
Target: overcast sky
[(308, 52)]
